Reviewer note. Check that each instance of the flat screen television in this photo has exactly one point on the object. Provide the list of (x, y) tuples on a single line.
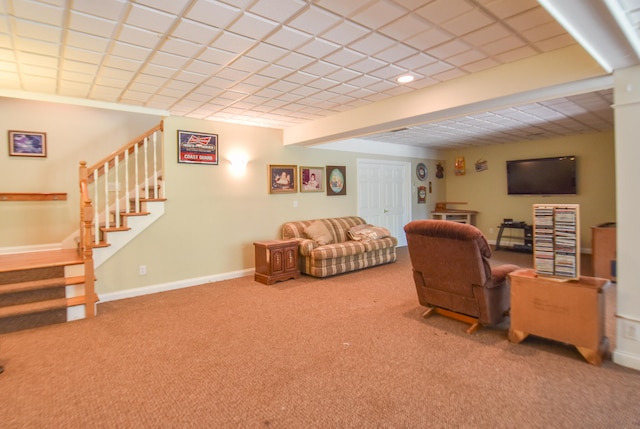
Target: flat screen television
[(542, 176)]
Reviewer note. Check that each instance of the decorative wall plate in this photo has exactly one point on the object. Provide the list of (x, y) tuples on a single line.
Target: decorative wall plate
[(421, 171)]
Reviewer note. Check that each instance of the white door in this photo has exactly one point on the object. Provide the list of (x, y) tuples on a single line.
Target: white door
[(384, 195)]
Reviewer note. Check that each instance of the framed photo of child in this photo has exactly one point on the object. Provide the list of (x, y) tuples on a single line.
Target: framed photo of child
[(311, 179), (282, 179)]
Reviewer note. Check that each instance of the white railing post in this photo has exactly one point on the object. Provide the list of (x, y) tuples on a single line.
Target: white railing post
[(106, 195), (137, 179), (96, 205), (126, 182), (145, 151), (156, 188), (116, 174)]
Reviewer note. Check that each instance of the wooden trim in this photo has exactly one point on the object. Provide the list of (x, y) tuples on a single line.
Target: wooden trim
[(33, 196)]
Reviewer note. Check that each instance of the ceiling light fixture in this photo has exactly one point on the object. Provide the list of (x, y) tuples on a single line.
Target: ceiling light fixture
[(405, 78)]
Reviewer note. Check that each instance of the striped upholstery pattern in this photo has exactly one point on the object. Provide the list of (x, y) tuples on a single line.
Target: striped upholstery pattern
[(343, 255)]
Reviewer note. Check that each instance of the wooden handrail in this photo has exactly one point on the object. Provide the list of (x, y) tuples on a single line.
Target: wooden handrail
[(128, 147), (33, 196)]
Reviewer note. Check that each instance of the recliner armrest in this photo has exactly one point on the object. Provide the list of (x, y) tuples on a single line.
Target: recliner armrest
[(499, 273)]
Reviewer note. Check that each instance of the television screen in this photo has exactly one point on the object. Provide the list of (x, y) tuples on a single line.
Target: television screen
[(542, 176)]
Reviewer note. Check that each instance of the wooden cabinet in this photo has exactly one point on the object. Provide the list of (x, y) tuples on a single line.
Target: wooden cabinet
[(603, 251), (569, 311), (276, 260)]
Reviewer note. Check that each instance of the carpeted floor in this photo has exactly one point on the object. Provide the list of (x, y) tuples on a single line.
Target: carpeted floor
[(343, 352)]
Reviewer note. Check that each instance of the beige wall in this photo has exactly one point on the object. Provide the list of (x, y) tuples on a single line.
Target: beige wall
[(486, 191), (73, 134)]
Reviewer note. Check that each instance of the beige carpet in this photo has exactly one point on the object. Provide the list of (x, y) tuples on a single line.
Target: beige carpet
[(343, 352)]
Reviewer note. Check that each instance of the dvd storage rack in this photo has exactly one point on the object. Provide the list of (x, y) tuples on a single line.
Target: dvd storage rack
[(556, 240)]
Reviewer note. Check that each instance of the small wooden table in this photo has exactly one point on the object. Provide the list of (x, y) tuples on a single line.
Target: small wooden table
[(569, 311), (276, 260)]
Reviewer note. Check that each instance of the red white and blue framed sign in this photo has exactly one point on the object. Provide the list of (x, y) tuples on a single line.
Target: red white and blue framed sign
[(197, 148)]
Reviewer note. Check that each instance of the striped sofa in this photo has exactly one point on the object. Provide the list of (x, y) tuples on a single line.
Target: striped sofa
[(342, 254)]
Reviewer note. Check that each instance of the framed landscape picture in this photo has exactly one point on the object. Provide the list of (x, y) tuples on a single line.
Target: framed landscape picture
[(27, 143), (311, 179), (336, 180), (282, 179)]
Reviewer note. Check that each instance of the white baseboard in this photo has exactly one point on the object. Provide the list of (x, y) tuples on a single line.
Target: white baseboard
[(164, 287), (626, 359)]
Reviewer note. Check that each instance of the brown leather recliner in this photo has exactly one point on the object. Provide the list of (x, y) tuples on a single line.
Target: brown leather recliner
[(452, 273)]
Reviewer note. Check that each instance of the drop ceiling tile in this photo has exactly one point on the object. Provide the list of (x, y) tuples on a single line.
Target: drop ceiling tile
[(122, 63), (506, 8), (515, 54), (38, 11), (429, 39), (139, 36), (215, 14), (129, 51), (149, 19), (343, 75), (232, 74), (82, 56), (373, 43), (135, 95), (321, 69), (196, 32), (396, 53), (168, 60), (104, 92), (180, 47), (253, 26), (468, 22), (345, 32), (434, 68), (80, 67), (149, 80), (278, 10), (300, 77), (6, 66), (488, 34), (367, 65), (390, 72), (36, 30), (295, 60), (249, 65), (529, 19), (34, 70), (557, 42), (344, 57), (289, 38), (266, 52), (405, 27), (379, 14), (111, 9), (275, 71), (37, 47), (468, 57), (449, 49), (216, 56), (170, 6), (345, 8), (158, 70), (186, 76), (258, 80), (440, 11), (416, 61), (323, 84), (87, 41), (91, 24), (314, 20), (74, 89), (37, 59), (318, 48)]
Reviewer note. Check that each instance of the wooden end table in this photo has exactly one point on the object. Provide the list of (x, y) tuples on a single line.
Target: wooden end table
[(569, 311), (276, 260)]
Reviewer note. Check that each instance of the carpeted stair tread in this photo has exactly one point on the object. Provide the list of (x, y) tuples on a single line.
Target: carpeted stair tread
[(33, 307), (40, 284)]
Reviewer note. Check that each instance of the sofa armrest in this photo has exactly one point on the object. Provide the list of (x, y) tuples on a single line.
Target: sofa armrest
[(499, 274), (306, 246)]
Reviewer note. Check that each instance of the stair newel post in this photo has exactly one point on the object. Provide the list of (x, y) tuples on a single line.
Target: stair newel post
[(86, 220)]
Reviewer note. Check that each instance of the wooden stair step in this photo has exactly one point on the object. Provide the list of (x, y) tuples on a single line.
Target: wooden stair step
[(40, 284), (33, 307), (48, 258)]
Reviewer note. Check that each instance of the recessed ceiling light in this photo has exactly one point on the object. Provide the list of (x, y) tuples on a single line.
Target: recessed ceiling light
[(405, 78)]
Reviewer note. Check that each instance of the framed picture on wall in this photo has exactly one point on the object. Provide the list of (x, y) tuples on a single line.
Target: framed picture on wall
[(197, 148), (282, 179), (311, 179), (27, 143), (336, 180)]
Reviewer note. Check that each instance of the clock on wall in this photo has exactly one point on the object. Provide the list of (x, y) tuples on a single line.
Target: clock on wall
[(421, 171)]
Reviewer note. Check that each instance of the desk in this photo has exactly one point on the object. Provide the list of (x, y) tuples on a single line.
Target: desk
[(568, 311), (460, 216)]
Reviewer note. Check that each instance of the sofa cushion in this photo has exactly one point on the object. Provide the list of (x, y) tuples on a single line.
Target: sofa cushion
[(367, 232), (319, 233), (349, 248)]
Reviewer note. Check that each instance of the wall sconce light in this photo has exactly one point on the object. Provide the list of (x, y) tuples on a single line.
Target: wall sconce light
[(238, 163)]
